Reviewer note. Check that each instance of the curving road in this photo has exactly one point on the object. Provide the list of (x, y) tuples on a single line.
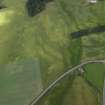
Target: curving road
[(43, 93)]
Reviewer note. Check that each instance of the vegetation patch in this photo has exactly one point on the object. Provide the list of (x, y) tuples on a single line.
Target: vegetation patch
[(80, 93), (20, 82), (5, 17), (95, 75)]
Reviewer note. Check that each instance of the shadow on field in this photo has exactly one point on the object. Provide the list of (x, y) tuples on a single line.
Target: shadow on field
[(35, 6), (85, 32)]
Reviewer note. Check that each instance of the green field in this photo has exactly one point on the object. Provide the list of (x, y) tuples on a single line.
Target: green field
[(47, 38), (95, 75), (43, 37), (80, 94), (77, 92), (20, 82)]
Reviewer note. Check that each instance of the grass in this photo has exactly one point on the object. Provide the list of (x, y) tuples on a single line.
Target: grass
[(45, 36), (74, 91), (95, 75), (80, 93), (19, 82), (4, 17)]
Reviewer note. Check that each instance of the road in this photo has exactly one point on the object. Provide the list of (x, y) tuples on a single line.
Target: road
[(43, 93)]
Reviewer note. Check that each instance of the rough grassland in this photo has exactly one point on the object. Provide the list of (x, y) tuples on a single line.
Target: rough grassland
[(46, 36), (80, 94)]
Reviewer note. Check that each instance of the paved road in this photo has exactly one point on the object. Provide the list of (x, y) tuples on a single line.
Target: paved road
[(43, 93)]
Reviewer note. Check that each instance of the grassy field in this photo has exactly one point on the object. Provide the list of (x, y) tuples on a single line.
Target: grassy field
[(20, 82), (95, 75), (45, 37), (77, 92), (80, 93)]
